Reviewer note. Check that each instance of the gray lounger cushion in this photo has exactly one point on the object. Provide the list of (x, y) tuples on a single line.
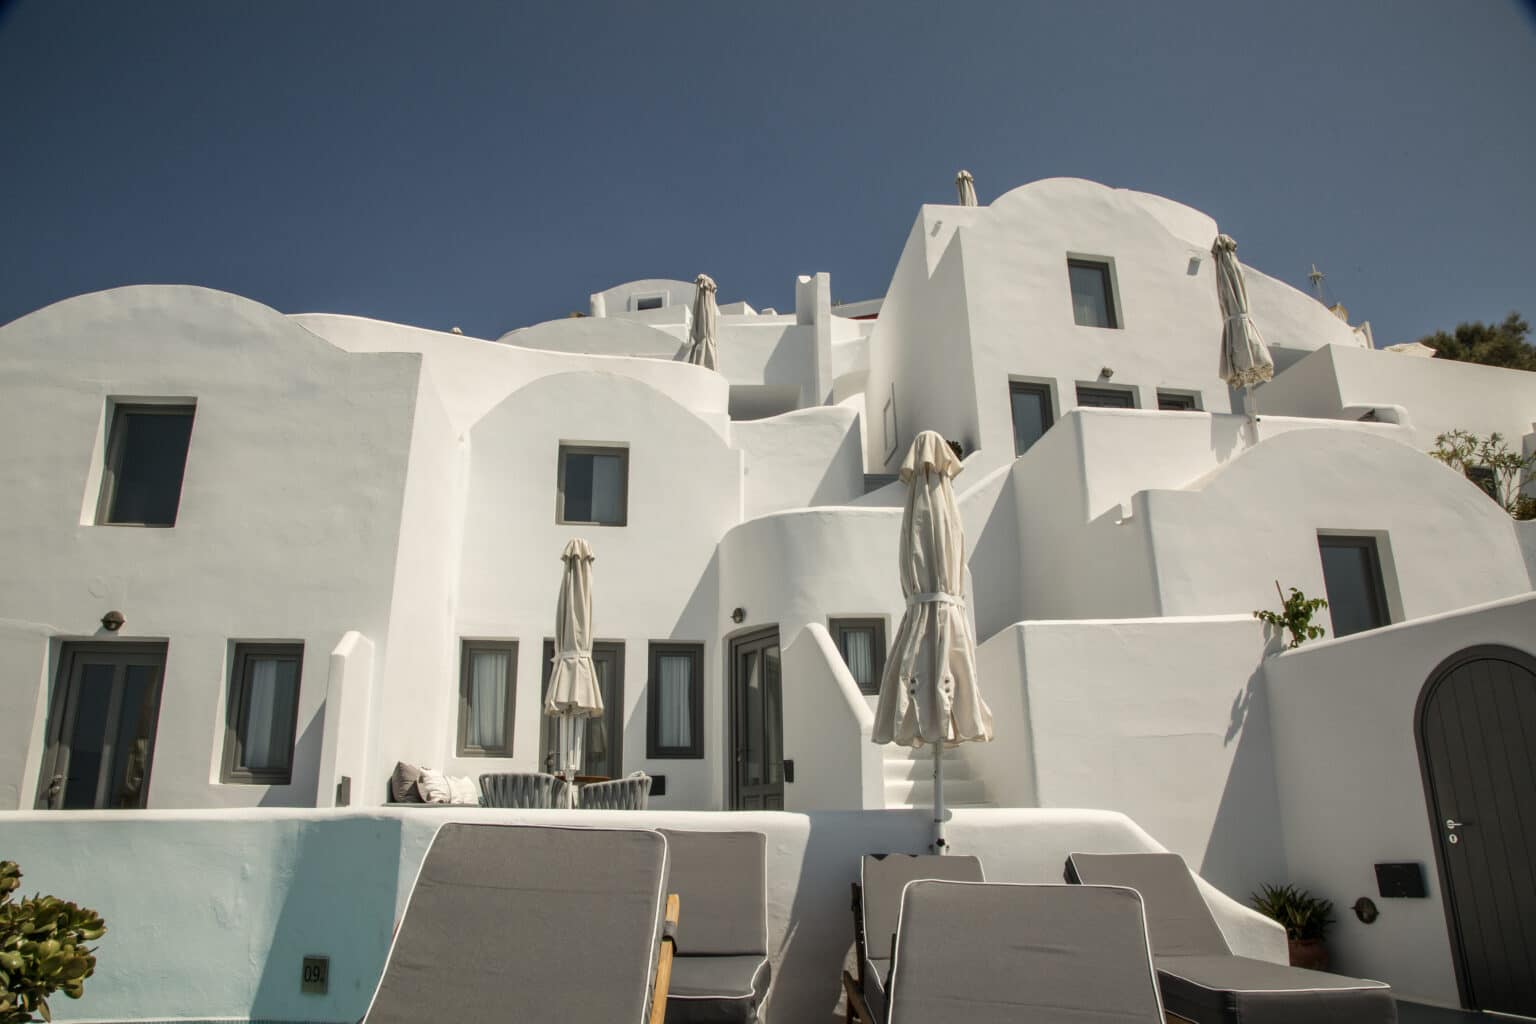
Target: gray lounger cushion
[(499, 911), (1221, 989), (717, 989), (882, 878), (1201, 980), (1177, 918), (721, 971), (978, 953)]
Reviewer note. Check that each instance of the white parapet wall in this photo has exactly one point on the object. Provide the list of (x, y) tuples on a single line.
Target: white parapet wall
[(210, 916), (1351, 789)]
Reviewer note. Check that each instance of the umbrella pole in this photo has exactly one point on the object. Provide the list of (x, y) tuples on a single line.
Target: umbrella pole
[(940, 844)]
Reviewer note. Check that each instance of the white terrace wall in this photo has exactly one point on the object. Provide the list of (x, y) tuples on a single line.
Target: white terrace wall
[(654, 579), (803, 458), (1439, 395), (288, 526), (1350, 788), (1164, 720), (256, 891), (1221, 545)]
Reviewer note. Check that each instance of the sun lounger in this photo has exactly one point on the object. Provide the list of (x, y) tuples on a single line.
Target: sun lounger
[(1201, 979), (988, 953), (720, 973), (876, 906), (524, 923), (522, 789)]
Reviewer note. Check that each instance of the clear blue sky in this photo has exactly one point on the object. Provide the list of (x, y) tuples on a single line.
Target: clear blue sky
[(491, 164)]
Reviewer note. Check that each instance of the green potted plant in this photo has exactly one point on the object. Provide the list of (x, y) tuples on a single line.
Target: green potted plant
[(42, 949), (1306, 919)]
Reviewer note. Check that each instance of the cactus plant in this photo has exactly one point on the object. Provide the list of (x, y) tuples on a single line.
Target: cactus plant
[(42, 949)]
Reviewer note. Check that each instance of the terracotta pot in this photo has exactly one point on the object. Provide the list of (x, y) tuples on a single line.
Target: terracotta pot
[(1309, 953)]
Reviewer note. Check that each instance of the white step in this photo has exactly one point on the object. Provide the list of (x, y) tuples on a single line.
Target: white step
[(893, 752), (897, 769), (957, 793)]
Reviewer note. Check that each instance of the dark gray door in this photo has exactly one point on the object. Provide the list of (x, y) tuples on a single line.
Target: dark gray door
[(1477, 738), (602, 751), (757, 723), (101, 737)]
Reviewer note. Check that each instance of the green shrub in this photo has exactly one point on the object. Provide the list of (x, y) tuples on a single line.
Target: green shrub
[(1295, 615), (1303, 915), (42, 949)]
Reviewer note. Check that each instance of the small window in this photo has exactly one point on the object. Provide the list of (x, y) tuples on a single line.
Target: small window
[(1484, 478), (1093, 293), (862, 645), (1357, 599), (487, 697), (1031, 413), (643, 302), (263, 711), (675, 705), (1106, 398), (1177, 401), (593, 485), (146, 458)]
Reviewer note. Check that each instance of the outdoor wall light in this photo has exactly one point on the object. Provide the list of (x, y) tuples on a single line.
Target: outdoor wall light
[(738, 615), (1107, 372), (1365, 910), (112, 621)]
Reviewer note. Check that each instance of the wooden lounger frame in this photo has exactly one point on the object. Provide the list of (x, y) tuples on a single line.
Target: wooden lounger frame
[(664, 963)]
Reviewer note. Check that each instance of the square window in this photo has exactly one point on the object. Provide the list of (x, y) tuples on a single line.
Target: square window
[(1357, 597), (1031, 413), (1105, 398), (487, 697), (593, 485), (1177, 401), (1093, 293), (862, 645), (675, 704), (146, 458), (263, 711)]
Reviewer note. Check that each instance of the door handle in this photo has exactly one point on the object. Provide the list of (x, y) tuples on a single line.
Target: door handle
[(55, 791), (1452, 824)]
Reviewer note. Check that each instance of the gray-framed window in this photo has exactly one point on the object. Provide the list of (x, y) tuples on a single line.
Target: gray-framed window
[(1105, 398), (1093, 292), (861, 642), (1357, 595), (145, 462), (1178, 401), (263, 713), (593, 485), (487, 697), (644, 302), (1031, 404), (674, 721), (603, 745)]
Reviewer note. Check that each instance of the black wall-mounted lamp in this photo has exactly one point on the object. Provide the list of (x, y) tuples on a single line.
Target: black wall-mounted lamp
[(112, 621), (738, 615), (1365, 910)]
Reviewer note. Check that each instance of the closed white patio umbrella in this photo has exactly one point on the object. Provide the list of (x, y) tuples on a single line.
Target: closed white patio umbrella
[(1245, 361), (966, 186), (703, 334), (574, 694), (928, 694)]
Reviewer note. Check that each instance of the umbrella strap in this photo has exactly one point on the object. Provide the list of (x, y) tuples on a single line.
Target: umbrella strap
[(938, 597)]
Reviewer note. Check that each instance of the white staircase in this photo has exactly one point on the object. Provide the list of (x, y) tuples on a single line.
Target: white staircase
[(909, 779)]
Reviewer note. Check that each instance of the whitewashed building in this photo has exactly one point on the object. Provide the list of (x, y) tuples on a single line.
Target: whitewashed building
[(332, 544)]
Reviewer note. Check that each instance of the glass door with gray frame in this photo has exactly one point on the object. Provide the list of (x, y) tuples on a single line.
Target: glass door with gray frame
[(101, 735), (757, 724)]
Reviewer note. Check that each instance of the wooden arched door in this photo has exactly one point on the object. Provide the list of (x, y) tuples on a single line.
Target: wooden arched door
[(1477, 744)]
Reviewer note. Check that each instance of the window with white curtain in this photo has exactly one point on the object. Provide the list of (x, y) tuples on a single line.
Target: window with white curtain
[(487, 691), (862, 645), (676, 701), (593, 485), (263, 713)]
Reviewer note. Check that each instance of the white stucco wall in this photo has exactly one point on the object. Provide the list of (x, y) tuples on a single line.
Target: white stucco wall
[(1351, 793), (1439, 395), (256, 892), (802, 458), (654, 578), (608, 336), (289, 518), (1164, 720)]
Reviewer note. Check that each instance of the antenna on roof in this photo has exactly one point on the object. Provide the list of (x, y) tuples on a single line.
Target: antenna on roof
[(1316, 277)]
